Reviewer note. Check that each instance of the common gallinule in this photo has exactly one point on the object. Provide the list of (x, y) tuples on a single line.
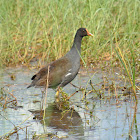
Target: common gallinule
[(62, 71)]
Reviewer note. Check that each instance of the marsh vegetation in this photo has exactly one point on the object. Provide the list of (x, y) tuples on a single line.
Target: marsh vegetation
[(106, 95)]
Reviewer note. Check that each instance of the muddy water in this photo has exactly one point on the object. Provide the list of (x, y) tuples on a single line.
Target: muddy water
[(96, 117)]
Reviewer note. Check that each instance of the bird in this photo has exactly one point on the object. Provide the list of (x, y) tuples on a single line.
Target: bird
[(63, 70)]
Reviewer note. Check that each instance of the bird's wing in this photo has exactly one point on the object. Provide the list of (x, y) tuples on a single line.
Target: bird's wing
[(56, 70)]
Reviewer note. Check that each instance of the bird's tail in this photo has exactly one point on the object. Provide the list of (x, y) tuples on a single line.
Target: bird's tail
[(31, 85)]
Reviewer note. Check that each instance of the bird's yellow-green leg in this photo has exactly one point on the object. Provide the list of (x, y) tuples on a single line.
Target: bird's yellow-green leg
[(57, 94)]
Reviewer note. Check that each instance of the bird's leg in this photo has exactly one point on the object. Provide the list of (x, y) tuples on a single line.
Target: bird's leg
[(57, 94)]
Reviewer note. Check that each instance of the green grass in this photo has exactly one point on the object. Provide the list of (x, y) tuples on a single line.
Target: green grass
[(45, 29)]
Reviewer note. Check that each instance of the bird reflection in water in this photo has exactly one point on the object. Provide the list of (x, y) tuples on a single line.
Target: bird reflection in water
[(68, 120)]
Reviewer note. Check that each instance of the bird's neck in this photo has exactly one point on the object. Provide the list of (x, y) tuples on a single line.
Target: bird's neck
[(77, 44), (74, 53)]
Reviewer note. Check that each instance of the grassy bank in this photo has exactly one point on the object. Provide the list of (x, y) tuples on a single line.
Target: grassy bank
[(45, 29)]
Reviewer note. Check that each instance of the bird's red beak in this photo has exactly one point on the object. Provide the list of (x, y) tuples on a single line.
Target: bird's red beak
[(88, 33)]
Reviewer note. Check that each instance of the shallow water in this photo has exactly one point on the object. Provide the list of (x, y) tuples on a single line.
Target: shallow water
[(91, 118)]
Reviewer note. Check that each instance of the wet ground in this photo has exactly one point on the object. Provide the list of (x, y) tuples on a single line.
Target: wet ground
[(106, 113)]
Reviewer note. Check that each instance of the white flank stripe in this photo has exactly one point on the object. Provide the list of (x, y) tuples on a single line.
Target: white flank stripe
[(67, 74)]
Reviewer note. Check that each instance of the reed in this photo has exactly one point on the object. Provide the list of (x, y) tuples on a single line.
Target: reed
[(129, 67)]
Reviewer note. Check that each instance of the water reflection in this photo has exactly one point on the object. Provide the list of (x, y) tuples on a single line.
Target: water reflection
[(69, 121)]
